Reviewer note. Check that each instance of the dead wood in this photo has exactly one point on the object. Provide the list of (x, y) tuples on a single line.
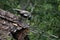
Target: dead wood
[(10, 24)]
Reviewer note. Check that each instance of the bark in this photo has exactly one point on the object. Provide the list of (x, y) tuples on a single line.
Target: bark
[(11, 25)]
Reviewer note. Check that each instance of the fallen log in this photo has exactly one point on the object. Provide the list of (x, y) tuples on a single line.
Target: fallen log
[(11, 24)]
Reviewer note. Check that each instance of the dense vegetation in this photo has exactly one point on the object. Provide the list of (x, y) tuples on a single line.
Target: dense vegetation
[(45, 22)]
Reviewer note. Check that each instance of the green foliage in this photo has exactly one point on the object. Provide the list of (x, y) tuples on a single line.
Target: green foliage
[(45, 23)]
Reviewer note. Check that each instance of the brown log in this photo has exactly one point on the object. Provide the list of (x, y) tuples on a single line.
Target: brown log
[(10, 23), (12, 18), (8, 16)]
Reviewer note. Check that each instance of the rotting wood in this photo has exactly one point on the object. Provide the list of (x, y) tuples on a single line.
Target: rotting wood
[(10, 23)]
